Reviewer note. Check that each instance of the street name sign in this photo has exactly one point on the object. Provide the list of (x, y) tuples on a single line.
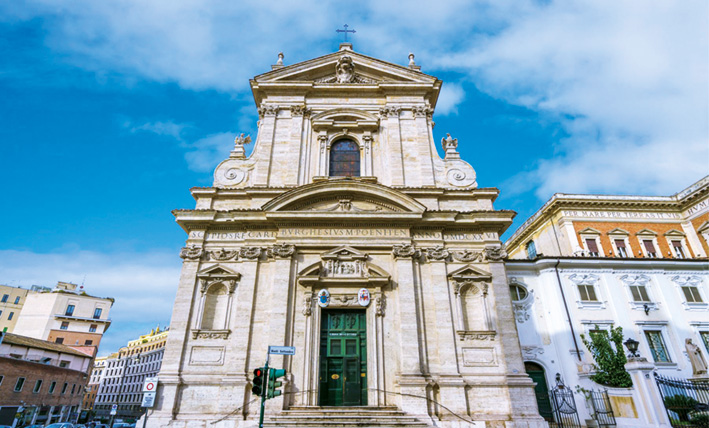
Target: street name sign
[(281, 350)]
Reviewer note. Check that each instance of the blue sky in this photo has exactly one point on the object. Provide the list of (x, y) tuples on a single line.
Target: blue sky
[(111, 111)]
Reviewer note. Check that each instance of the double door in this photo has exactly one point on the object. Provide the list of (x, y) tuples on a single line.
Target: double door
[(343, 358)]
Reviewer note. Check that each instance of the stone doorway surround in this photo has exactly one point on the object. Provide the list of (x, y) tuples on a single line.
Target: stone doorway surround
[(343, 286)]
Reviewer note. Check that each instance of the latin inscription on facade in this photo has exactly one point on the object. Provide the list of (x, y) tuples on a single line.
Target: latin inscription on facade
[(622, 214)]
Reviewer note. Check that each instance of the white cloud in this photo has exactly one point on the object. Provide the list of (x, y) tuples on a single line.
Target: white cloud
[(167, 128), (450, 98), (206, 153), (628, 83), (622, 77), (143, 284)]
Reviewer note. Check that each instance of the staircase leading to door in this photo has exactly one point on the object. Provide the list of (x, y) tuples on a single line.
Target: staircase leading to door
[(343, 417)]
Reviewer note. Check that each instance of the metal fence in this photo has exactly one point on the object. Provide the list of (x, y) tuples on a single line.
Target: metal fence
[(686, 402), (563, 406), (602, 410)]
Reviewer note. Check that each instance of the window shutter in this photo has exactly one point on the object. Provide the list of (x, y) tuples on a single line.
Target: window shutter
[(649, 247), (591, 244)]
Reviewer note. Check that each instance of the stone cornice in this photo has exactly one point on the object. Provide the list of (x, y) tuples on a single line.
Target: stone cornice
[(601, 263)]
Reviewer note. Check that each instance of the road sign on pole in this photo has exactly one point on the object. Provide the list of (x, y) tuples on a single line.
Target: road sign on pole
[(281, 350), (114, 409), (148, 399), (150, 384)]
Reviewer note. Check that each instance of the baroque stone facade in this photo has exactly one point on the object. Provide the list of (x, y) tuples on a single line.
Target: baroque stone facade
[(345, 213)]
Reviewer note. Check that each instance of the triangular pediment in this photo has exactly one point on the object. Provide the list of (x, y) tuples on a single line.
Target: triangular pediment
[(704, 227), (344, 252), (647, 232), (217, 271), (619, 231), (469, 272), (589, 231), (675, 233), (367, 70)]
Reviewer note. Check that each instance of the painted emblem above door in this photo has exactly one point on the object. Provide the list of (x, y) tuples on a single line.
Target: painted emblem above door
[(323, 298), (363, 297)]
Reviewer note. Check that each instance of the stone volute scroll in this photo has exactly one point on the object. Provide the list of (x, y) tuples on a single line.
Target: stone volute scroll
[(458, 173)]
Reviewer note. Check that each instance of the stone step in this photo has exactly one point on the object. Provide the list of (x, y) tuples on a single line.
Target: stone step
[(345, 417)]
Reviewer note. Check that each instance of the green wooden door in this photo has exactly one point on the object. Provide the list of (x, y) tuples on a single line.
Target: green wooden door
[(541, 390), (343, 358)]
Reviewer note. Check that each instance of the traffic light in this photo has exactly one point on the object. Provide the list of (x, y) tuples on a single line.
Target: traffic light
[(259, 382), (273, 384)]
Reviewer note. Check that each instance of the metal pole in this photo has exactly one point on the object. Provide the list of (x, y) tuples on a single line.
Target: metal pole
[(263, 395), (145, 417)]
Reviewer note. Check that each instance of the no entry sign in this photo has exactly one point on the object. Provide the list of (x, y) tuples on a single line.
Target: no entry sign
[(150, 385)]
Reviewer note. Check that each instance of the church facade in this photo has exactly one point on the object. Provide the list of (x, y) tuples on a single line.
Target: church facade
[(345, 235)]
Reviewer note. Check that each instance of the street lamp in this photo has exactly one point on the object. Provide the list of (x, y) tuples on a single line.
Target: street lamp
[(632, 346)]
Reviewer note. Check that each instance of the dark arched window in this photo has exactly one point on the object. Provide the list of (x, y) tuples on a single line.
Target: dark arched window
[(344, 159)]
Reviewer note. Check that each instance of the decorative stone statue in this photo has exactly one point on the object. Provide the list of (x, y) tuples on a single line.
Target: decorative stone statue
[(345, 70), (239, 142), (699, 364)]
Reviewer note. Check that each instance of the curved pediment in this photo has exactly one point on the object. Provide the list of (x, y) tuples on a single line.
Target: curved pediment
[(344, 196)]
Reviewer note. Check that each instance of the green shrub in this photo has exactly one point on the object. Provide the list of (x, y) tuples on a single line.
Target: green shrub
[(681, 404), (700, 420), (609, 358)]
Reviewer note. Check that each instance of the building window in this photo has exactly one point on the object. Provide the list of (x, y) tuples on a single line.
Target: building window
[(5, 297), (89, 342), (9, 317), (639, 293), (518, 293), (59, 340), (69, 310), (18, 385), (620, 248), (344, 159), (531, 250), (64, 326), (649, 248), (37, 386), (97, 313), (592, 247), (73, 389), (17, 300), (92, 328), (0, 313), (677, 247), (703, 334), (64, 387), (657, 346), (691, 294), (52, 387), (1, 379), (587, 293)]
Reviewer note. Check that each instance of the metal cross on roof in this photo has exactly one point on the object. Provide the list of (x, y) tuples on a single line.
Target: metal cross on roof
[(345, 31)]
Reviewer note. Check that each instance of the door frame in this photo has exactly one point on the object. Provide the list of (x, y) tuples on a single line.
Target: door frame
[(345, 298)]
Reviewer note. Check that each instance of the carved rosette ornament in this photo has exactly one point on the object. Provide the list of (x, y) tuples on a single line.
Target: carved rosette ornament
[(405, 251), (389, 111), (495, 254), (222, 254), (191, 252), (268, 110), (250, 253), (437, 253), (467, 255), (299, 110), (282, 251)]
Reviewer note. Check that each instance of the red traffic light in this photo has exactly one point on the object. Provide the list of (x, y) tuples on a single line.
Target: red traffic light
[(258, 372), (259, 382)]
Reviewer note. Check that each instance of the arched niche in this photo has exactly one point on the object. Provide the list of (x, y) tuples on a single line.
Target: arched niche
[(216, 291)]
